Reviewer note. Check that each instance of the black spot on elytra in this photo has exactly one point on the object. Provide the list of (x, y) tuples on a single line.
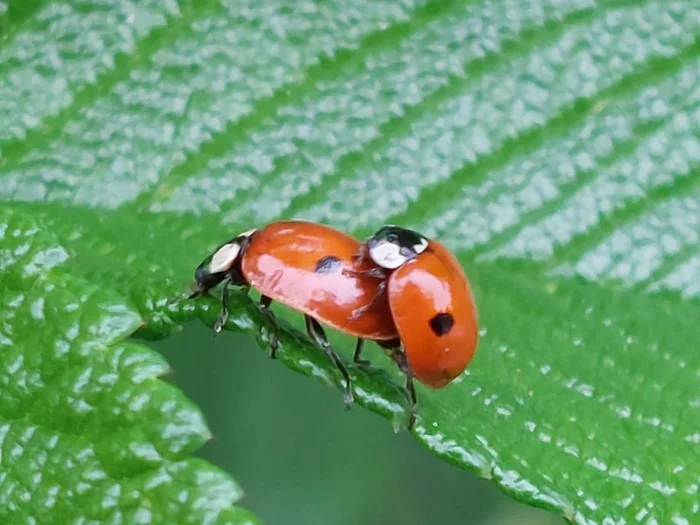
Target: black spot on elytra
[(442, 323), (327, 264)]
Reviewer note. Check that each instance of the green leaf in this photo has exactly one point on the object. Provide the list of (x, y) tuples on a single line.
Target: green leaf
[(88, 432), (555, 146)]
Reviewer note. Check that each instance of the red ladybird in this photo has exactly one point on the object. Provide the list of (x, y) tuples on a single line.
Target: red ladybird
[(430, 300), (305, 266)]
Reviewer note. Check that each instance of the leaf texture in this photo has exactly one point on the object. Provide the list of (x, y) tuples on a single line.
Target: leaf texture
[(88, 431), (553, 144)]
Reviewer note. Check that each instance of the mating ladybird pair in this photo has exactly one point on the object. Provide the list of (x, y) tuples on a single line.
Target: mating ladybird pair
[(397, 289)]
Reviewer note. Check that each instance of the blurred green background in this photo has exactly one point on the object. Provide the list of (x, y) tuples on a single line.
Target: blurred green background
[(302, 459)]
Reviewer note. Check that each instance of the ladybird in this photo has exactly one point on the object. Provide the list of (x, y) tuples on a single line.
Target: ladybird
[(304, 266), (430, 301)]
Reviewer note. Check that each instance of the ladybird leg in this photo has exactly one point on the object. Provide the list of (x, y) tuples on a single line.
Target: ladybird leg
[(360, 255), (357, 357), (399, 357), (315, 331), (265, 302), (410, 387), (377, 273), (359, 312), (223, 318)]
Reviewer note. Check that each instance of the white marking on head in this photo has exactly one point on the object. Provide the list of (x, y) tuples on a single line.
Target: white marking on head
[(387, 255), (224, 258), (248, 233), (420, 248)]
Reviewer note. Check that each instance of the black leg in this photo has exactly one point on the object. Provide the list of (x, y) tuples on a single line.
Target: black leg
[(315, 331), (357, 357), (265, 303), (399, 357), (359, 312), (223, 318)]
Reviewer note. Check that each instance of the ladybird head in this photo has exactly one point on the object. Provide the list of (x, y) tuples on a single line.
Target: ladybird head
[(392, 246), (222, 263)]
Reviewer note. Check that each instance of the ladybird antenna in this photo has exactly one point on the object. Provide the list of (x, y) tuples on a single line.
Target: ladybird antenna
[(194, 291)]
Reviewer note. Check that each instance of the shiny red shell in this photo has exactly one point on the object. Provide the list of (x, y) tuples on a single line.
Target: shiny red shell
[(432, 306), (300, 264)]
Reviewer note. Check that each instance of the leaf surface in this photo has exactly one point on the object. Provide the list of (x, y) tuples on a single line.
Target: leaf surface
[(553, 145), (88, 431)]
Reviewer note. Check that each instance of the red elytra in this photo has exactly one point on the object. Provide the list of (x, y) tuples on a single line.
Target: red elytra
[(307, 267), (431, 303), (301, 265)]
